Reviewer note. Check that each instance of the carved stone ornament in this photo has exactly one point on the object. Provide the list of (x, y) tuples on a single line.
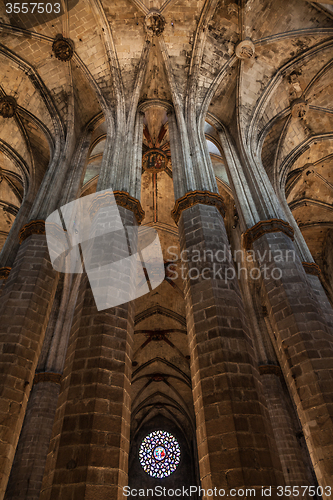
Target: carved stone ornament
[(299, 108), (264, 227), (233, 9), (4, 272), (308, 173), (245, 49), (123, 199), (154, 160), (33, 227), (311, 268), (8, 106), (154, 23), (197, 197), (63, 48)]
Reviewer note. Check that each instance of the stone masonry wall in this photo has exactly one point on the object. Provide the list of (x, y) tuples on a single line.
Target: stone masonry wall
[(304, 348), (25, 308), (235, 441), (89, 448), (290, 454), (28, 466)]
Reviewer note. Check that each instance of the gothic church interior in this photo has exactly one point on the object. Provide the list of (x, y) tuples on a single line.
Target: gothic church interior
[(212, 123)]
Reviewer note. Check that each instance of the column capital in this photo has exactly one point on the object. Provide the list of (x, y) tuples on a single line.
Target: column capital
[(311, 268), (264, 227), (123, 199), (32, 227), (197, 197)]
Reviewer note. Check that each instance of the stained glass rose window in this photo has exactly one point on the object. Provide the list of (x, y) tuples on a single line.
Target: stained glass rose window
[(159, 454)]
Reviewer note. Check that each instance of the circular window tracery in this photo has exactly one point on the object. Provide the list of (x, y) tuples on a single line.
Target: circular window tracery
[(159, 454)]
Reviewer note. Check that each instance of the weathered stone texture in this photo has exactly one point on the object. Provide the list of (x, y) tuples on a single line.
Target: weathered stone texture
[(234, 435), (305, 350), (228, 124), (90, 442), (290, 452), (25, 307), (28, 467)]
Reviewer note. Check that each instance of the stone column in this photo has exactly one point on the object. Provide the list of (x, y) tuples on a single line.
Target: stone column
[(88, 454), (313, 276), (236, 446), (31, 284), (28, 467), (295, 463), (176, 155), (90, 443), (25, 307), (290, 453), (11, 245), (304, 343), (235, 443), (27, 296), (300, 319)]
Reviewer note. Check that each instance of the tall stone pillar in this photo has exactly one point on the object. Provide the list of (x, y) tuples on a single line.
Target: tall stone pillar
[(290, 453), (304, 342), (236, 446), (27, 299), (25, 307), (89, 448), (28, 467), (294, 460), (235, 443), (301, 320), (88, 454)]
